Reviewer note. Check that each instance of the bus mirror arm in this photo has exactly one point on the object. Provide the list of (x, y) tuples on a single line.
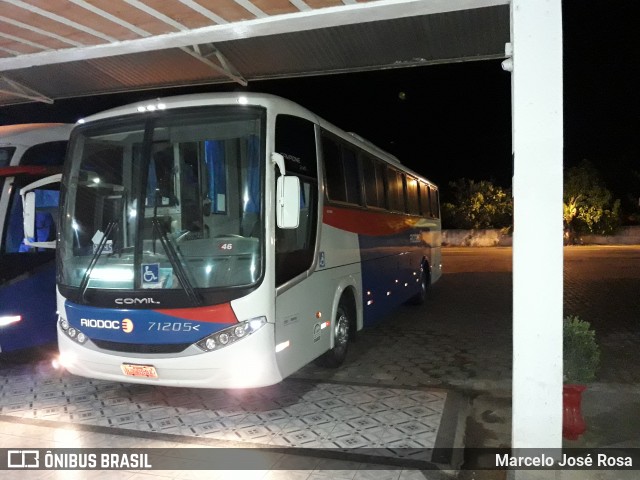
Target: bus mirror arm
[(278, 160)]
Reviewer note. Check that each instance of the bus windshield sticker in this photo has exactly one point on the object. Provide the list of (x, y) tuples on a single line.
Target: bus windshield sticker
[(155, 277), (150, 274), (97, 238)]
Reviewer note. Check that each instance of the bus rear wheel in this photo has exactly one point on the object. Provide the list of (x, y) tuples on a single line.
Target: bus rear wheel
[(425, 281), (341, 330)]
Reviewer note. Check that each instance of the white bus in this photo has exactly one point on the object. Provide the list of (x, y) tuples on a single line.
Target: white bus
[(28, 152), (226, 240)]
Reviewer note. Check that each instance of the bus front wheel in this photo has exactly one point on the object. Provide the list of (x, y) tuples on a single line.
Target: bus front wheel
[(334, 357)]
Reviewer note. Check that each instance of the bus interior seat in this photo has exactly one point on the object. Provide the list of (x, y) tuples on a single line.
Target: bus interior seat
[(45, 227)]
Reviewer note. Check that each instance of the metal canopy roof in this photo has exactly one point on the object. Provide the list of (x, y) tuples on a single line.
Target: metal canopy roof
[(67, 48)]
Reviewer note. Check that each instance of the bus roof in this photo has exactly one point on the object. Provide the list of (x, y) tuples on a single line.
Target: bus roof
[(33, 133), (249, 98)]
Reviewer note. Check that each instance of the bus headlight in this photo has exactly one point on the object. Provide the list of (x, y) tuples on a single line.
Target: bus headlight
[(71, 332), (231, 335)]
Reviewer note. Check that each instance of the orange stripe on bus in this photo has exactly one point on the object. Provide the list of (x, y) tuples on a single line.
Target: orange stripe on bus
[(214, 314), (367, 222)]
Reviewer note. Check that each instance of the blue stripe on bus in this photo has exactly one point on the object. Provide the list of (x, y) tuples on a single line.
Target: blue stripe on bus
[(143, 326), (390, 272)]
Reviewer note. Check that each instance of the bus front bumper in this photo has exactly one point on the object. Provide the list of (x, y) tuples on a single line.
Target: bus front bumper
[(248, 363)]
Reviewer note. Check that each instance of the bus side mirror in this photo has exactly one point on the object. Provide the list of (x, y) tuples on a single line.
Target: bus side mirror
[(288, 202), (29, 215)]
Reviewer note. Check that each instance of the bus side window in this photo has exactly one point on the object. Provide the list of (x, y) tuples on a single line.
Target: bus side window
[(351, 176), (334, 169), (425, 200), (395, 190), (50, 153), (412, 196), (373, 173), (342, 171), (295, 248), (435, 202)]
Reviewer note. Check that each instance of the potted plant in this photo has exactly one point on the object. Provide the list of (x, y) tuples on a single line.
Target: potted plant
[(581, 360)]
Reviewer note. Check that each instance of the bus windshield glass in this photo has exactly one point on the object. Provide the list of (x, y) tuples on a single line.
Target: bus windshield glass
[(169, 200)]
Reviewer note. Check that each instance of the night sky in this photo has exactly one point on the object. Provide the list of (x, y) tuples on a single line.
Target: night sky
[(453, 121)]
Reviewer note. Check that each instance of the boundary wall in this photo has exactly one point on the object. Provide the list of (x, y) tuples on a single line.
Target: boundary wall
[(498, 238)]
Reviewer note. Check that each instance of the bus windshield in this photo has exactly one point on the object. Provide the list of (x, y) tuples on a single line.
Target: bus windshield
[(165, 201)]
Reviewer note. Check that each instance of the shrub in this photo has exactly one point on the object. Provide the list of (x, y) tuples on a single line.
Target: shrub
[(589, 207), (477, 205), (580, 351)]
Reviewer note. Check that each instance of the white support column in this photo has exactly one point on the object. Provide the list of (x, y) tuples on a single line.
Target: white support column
[(536, 35)]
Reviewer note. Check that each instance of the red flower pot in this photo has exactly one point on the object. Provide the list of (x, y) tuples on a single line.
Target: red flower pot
[(573, 424)]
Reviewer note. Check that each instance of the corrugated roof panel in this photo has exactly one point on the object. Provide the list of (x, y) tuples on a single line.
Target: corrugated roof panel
[(165, 67), (407, 41), (227, 9), (15, 46), (323, 3), (31, 36), (82, 16), (39, 21), (134, 16), (117, 74), (275, 7), (179, 12), (466, 34)]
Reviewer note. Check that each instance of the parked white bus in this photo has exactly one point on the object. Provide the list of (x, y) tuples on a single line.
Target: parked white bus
[(226, 240), (28, 152)]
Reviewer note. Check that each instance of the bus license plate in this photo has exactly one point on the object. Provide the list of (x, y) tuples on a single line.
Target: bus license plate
[(132, 370)]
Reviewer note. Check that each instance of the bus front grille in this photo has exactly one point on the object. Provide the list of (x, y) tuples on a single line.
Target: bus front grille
[(141, 348)]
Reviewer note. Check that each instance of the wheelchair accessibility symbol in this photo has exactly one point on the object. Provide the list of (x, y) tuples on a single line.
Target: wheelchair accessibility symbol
[(151, 273)]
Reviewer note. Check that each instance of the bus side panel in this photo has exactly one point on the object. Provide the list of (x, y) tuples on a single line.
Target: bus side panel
[(302, 311), (38, 324), (391, 267), (392, 247)]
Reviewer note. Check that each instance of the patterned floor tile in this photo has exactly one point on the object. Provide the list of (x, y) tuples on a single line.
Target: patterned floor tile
[(292, 414)]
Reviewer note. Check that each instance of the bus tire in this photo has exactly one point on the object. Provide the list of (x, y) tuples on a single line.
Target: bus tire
[(342, 326), (425, 282)]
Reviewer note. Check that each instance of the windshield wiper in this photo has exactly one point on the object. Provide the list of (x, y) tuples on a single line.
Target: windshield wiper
[(181, 273), (84, 284)]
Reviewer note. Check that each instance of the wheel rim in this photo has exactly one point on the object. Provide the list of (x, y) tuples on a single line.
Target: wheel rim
[(341, 331)]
